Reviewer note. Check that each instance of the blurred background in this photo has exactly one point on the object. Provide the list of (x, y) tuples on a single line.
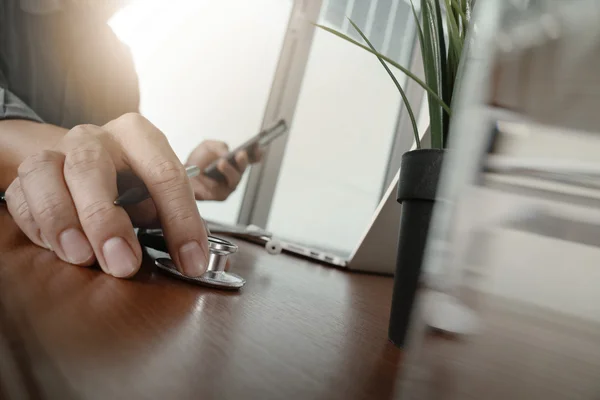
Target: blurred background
[(224, 70)]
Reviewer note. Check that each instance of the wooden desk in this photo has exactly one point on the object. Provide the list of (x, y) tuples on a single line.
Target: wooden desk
[(296, 331)]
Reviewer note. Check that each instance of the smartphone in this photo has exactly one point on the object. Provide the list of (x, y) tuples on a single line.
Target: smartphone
[(262, 139)]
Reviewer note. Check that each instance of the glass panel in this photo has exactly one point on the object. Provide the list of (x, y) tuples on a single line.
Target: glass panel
[(205, 70), (337, 153), (398, 45), (335, 11), (360, 13), (382, 12)]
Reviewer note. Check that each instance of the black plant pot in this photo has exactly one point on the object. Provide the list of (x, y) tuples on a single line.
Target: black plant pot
[(419, 175)]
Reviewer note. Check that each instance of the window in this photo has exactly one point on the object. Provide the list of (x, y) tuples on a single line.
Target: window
[(343, 128)]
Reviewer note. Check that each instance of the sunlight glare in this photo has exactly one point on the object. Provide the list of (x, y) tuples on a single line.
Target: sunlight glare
[(144, 24)]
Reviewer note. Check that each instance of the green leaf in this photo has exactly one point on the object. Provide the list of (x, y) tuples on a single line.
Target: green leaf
[(455, 39), (412, 76), (455, 46), (445, 83), (460, 9), (457, 18), (419, 30), (404, 98), (432, 64)]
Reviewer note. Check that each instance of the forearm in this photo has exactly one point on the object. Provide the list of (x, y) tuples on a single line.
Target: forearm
[(19, 139)]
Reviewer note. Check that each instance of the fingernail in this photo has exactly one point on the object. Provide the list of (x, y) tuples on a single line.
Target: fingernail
[(76, 247), (119, 258), (45, 241), (192, 259)]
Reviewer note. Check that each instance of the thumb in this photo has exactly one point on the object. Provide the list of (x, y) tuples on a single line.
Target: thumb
[(207, 152)]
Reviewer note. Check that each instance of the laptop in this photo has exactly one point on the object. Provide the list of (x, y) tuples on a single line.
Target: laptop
[(375, 252)]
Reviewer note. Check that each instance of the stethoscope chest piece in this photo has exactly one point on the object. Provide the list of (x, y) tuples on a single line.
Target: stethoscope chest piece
[(215, 275)]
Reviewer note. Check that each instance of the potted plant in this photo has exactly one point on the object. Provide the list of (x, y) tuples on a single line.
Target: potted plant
[(442, 30)]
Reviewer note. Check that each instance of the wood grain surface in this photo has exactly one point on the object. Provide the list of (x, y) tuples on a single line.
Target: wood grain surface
[(297, 330)]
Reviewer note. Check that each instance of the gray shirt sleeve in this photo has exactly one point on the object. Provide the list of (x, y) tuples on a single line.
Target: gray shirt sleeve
[(12, 107), (63, 66)]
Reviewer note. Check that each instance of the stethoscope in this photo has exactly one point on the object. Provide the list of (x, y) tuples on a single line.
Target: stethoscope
[(215, 275)]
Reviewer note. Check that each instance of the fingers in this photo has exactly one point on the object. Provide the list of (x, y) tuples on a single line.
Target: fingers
[(49, 202), (208, 189), (91, 177), (231, 174), (65, 197), (242, 160), (207, 152), (19, 210), (147, 152), (255, 153), (217, 147)]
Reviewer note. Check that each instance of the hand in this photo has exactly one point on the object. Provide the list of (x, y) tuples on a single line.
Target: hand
[(63, 198), (205, 154)]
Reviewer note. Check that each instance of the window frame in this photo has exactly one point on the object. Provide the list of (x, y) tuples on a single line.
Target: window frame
[(262, 179)]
